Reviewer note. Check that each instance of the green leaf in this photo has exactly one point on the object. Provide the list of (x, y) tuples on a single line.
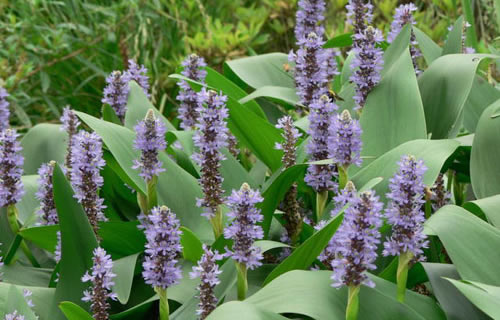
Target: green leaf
[(263, 70), (283, 95), (340, 41), (42, 299), (192, 249), (15, 301), (434, 153), (121, 238), (77, 243), (453, 43), (124, 269), (266, 245), (43, 143), (480, 97), (430, 50), (397, 48), (487, 207), (304, 255), (477, 258), (108, 114), (469, 17), (485, 155), (242, 311), (454, 304), (484, 296), (444, 87), (27, 276), (73, 311), (29, 203)]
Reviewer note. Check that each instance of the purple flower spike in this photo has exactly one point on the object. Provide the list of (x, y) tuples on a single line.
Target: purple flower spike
[(116, 93), (70, 124), (244, 229), (101, 279), (58, 251), (208, 272), (402, 17), (309, 18), (345, 140), (163, 248), (320, 176), (14, 316), (150, 140), (290, 136), (210, 137), (4, 109), (404, 211), (439, 195), (193, 69), (356, 241), (138, 73), (367, 64), (86, 179), (11, 168), (45, 194), (359, 15)]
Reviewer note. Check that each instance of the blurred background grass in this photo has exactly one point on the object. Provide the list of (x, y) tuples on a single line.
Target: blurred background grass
[(55, 53)]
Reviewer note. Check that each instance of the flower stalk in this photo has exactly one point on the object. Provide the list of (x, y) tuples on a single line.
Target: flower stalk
[(352, 309)]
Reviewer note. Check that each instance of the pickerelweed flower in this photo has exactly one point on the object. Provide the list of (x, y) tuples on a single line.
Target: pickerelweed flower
[(116, 93), (138, 73), (320, 176), (14, 316), (4, 109), (101, 279), (11, 168), (290, 204), (344, 140), (309, 18), (243, 229), (357, 239), (210, 137), (402, 17), (150, 140), (359, 15), (70, 124), (193, 69), (439, 195), (163, 248), (208, 272), (367, 64), (45, 194), (86, 179), (404, 211)]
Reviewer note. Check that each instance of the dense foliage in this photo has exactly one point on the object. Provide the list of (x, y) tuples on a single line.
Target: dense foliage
[(351, 177)]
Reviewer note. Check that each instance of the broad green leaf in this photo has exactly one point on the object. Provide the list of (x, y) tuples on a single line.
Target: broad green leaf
[(434, 153), (43, 143), (43, 236), (488, 207), (397, 48), (262, 70), (340, 41), (29, 204), (480, 97), (26, 276), (15, 301), (108, 114), (484, 296), (346, 70), (477, 258), (454, 41), (469, 17), (430, 50), (77, 243), (124, 269), (242, 311), (444, 87), (234, 174), (485, 155), (192, 249), (74, 312), (266, 245), (454, 304), (283, 95), (305, 254)]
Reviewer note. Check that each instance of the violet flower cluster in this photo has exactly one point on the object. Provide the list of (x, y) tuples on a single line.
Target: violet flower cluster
[(439, 195), (150, 140), (138, 73), (116, 93), (356, 241), (320, 176), (345, 140), (210, 137), (86, 179), (314, 66), (4, 109), (359, 15), (11, 168), (290, 204), (70, 124), (402, 17), (208, 272), (45, 194), (14, 316), (101, 279), (193, 69), (163, 248), (243, 229), (367, 63), (404, 211)]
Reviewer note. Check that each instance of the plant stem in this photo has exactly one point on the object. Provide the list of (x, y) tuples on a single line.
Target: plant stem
[(216, 222), (164, 312), (352, 303), (12, 215), (152, 194), (242, 282), (402, 275), (321, 198)]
